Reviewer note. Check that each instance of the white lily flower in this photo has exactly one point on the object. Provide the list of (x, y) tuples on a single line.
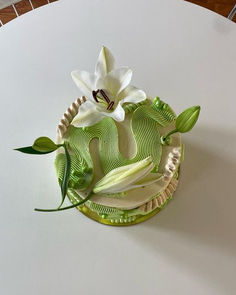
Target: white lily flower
[(106, 90), (127, 177)]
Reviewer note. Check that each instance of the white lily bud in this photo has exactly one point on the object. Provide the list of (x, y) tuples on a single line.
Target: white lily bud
[(127, 177)]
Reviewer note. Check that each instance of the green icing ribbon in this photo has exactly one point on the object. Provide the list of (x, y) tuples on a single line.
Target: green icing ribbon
[(144, 126)]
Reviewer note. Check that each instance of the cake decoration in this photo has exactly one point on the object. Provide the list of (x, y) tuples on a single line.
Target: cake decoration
[(106, 91), (118, 151)]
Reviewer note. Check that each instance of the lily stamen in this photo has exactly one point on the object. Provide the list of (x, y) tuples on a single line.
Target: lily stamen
[(94, 93), (103, 99), (105, 96), (110, 105)]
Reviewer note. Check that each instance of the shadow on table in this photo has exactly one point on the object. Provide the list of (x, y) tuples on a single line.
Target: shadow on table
[(202, 211)]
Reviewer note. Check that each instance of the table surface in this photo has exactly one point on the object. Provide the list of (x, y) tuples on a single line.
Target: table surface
[(23, 6), (179, 51)]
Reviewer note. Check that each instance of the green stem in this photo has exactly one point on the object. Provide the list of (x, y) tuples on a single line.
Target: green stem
[(165, 139), (60, 145), (68, 207), (170, 133)]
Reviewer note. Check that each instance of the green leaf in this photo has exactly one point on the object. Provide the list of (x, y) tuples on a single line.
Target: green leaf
[(30, 150), (41, 146), (44, 144), (66, 176), (187, 119)]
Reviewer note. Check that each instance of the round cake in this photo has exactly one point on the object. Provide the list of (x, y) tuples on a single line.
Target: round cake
[(118, 150), (122, 158)]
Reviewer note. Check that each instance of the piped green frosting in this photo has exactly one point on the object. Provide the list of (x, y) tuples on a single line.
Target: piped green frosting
[(144, 124)]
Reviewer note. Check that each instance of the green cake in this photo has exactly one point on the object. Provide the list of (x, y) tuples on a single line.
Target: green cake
[(118, 150)]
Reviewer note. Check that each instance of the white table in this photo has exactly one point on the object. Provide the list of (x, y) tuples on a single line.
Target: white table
[(185, 54)]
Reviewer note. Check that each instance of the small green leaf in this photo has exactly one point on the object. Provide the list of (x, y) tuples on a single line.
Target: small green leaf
[(44, 144), (66, 176), (30, 150), (187, 119), (41, 146)]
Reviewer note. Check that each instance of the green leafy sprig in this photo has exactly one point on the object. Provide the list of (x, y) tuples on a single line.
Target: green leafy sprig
[(184, 122), (44, 145)]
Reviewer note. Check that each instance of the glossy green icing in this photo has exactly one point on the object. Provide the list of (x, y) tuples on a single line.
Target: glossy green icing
[(144, 124), (165, 112), (131, 107)]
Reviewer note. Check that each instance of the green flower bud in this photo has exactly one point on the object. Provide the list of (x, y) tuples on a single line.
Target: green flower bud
[(187, 119)]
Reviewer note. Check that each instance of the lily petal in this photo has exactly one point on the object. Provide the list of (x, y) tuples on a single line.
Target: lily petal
[(143, 168), (117, 172), (115, 81), (105, 62), (88, 115), (118, 114), (149, 179), (85, 82), (132, 94)]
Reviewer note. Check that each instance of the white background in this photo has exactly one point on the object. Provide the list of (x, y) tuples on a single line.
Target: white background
[(179, 51)]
